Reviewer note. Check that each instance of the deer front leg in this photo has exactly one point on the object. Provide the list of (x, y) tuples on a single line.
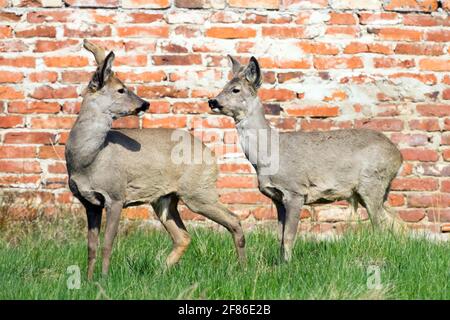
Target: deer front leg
[(112, 224), (293, 206), (94, 220), (281, 214)]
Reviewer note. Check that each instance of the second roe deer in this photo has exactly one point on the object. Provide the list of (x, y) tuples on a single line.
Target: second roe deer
[(114, 169), (357, 165)]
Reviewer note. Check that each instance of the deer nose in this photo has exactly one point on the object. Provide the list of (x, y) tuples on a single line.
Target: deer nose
[(145, 106), (214, 104)]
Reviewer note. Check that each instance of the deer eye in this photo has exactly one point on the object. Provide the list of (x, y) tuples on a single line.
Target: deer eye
[(236, 90), (121, 90)]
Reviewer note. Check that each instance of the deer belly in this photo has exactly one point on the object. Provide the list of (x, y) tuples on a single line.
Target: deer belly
[(327, 194)]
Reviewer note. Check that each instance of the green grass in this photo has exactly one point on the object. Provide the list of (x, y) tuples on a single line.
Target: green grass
[(34, 257)]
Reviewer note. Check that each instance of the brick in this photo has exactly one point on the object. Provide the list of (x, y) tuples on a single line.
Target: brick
[(255, 4), (21, 62), (30, 107), (396, 34), (446, 155), (186, 107), (423, 155), (42, 16), (36, 32), (52, 123), (288, 76), (438, 36), (10, 77), (342, 31), (313, 111), (435, 64), (419, 49), (434, 110), (9, 93), (411, 5), (29, 138), (76, 76), (237, 182), (393, 63), (143, 31), (199, 4), (380, 124), (445, 186), (177, 60), (11, 121), (52, 152), (20, 166), (131, 61), (91, 31), (321, 63), (438, 215), (146, 4), (165, 122), (143, 17), (19, 180), (52, 45), (429, 79), (150, 76), (429, 201), (10, 16), (276, 94), (342, 18), (446, 94), (14, 152), (285, 32), (47, 92), (396, 200), (319, 48), (413, 140), (244, 197), (5, 32), (423, 20), (13, 46), (66, 62), (161, 91), (230, 33), (413, 215), (270, 63), (414, 184), (378, 18), (43, 76), (93, 3)]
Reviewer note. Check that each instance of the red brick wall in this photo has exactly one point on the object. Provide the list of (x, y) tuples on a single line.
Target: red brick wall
[(381, 64)]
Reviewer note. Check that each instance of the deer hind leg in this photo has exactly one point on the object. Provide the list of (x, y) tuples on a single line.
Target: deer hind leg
[(113, 212), (353, 201), (94, 220), (167, 212), (372, 198), (218, 213)]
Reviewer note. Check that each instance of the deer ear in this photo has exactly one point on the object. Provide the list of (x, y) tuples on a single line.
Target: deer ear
[(102, 73), (235, 65), (253, 73)]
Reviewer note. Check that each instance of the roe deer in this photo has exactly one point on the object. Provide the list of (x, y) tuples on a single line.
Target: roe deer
[(357, 165), (114, 169)]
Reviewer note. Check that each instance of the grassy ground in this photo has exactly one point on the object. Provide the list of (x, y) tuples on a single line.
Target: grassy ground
[(35, 255)]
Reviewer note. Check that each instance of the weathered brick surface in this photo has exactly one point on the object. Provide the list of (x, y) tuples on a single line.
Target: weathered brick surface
[(328, 64)]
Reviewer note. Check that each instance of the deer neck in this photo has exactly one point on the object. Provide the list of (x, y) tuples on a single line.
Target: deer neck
[(88, 135), (256, 135)]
